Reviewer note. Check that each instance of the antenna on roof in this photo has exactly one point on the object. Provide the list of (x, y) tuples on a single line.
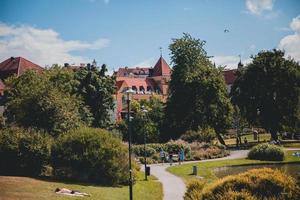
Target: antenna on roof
[(160, 49), (240, 58)]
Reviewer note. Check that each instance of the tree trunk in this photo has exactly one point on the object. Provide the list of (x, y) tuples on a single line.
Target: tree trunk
[(274, 134), (220, 139)]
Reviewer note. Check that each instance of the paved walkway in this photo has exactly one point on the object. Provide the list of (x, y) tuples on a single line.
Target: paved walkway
[(173, 186)]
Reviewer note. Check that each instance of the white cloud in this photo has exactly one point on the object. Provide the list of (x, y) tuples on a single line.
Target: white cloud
[(257, 7), (43, 46), (291, 43), (229, 62)]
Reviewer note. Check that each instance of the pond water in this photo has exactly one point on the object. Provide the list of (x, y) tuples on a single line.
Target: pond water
[(292, 169)]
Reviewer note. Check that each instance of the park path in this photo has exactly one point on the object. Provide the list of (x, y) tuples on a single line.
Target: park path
[(173, 186)]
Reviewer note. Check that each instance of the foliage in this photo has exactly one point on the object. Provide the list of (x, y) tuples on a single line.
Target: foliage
[(201, 135), (89, 154), (194, 190), (23, 152), (138, 150), (97, 90), (266, 152), (42, 101), (174, 146), (267, 91), (197, 93), (254, 184), (145, 124)]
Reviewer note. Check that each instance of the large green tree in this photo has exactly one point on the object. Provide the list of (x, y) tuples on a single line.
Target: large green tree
[(97, 91), (43, 101), (145, 124), (267, 92), (197, 93)]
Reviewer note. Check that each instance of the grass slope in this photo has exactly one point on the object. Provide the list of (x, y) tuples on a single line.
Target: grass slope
[(29, 188)]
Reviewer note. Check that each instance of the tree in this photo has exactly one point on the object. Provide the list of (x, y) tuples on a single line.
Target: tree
[(267, 91), (197, 93), (36, 100), (145, 124), (97, 90)]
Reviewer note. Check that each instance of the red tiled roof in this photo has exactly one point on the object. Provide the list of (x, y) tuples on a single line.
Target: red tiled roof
[(229, 76), (161, 68), (123, 72), (135, 82), (17, 65)]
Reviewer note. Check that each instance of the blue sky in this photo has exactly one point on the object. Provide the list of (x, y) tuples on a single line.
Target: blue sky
[(130, 32)]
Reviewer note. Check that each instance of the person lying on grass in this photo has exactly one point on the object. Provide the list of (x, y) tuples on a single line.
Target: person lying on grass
[(68, 192)]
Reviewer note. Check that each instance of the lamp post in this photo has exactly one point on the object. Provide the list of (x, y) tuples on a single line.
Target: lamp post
[(129, 92), (145, 158), (258, 113)]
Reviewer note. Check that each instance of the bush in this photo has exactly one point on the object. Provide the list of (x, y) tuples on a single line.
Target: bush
[(201, 135), (262, 183), (266, 152), (23, 152), (89, 154), (194, 190), (174, 146), (138, 150)]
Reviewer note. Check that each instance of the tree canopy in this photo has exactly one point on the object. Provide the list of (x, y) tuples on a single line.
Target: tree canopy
[(97, 90), (267, 92), (197, 93), (42, 101)]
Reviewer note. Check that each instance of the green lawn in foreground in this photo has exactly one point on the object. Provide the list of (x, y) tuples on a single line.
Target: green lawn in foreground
[(205, 168), (28, 188)]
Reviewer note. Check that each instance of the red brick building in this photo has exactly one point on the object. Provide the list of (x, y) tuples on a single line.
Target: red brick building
[(146, 81)]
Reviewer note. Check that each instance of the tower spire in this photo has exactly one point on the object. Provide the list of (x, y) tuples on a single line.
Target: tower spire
[(160, 49)]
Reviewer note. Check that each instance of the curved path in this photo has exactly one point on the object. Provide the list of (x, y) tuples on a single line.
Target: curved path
[(173, 186)]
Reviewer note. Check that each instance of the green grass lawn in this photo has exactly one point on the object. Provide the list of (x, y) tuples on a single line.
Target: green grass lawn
[(262, 137), (29, 188), (205, 169)]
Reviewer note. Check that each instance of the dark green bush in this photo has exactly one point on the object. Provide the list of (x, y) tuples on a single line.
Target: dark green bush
[(23, 152), (254, 184), (206, 135), (89, 154), (266, 152)]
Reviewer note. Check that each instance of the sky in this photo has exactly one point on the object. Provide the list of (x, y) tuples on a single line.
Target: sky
[(130, 32)]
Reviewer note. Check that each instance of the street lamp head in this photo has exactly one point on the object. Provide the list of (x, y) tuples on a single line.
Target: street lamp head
[(144, 110), (129, 91)]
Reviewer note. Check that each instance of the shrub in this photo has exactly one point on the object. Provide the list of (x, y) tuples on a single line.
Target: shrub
[(174, 146), (262, 183), (194, 190), (23, 152), (138, 150), (266, 152), (89, 154), (201, 135)]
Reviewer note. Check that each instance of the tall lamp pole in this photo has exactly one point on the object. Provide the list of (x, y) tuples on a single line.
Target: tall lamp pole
[(145, 158), (129, 92)]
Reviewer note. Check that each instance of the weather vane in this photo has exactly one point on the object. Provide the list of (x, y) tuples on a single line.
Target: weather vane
[(160, 49)]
